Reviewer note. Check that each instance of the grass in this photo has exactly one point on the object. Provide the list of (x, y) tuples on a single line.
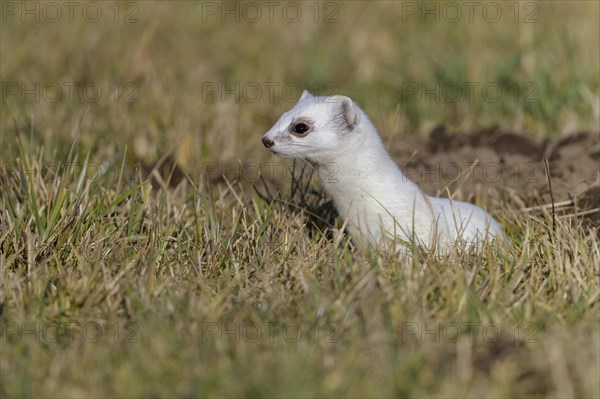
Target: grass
[(130, 268)]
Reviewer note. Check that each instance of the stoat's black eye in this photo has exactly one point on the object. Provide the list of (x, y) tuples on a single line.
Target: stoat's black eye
[(301, 128)]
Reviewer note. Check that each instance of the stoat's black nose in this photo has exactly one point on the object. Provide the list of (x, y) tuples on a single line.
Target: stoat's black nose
[(268, 142)]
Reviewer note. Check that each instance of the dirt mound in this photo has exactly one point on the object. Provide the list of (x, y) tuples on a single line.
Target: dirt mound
[(467, 165)]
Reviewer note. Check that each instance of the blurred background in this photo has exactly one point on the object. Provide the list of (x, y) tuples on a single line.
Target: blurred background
[(204, 80)]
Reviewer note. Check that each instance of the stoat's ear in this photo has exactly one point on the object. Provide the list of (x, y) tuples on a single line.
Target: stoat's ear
[(348, 115), (305, 94)]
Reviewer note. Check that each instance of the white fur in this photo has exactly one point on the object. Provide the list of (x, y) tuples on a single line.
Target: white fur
[(368, 188)]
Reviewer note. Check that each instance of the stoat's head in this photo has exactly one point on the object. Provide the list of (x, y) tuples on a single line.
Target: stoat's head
[(316, 129)]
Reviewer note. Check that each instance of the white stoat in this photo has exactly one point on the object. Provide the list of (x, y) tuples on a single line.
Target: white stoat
[(368, 188)]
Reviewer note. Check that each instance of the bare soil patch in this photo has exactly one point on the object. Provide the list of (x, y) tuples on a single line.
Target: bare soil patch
[(466, 165)]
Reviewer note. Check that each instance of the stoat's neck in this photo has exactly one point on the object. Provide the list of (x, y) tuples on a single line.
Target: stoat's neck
[(365, 165), (371, 192)]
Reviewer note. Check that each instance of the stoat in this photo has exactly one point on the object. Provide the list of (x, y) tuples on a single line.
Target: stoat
[(370, 192)]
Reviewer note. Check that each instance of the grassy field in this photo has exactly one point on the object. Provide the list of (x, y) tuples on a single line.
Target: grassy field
[(151, 247)]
